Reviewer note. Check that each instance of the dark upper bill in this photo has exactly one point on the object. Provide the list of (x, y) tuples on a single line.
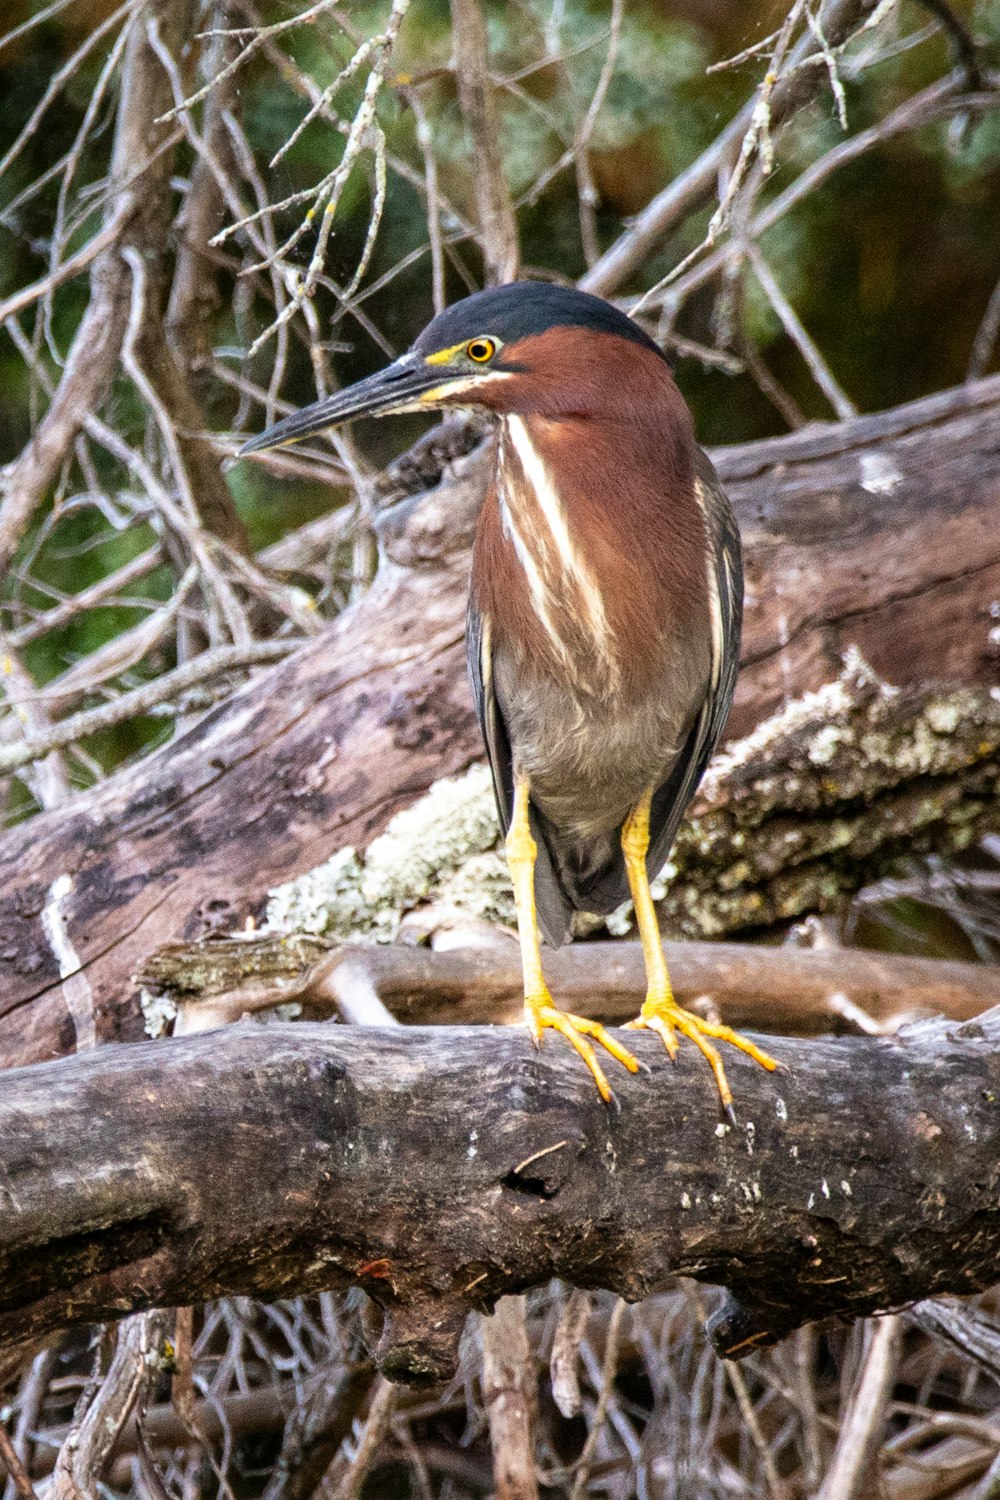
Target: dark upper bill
[(399, 387)]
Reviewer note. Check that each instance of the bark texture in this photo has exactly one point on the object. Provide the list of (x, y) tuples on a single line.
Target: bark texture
[(278, 1160), (878, 532)]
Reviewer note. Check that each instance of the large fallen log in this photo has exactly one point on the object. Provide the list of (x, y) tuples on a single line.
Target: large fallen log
[(271, 1161), (878, 532)]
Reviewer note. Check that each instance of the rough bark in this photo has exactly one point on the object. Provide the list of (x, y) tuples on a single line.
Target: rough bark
[(863, 1177), (878, 532)]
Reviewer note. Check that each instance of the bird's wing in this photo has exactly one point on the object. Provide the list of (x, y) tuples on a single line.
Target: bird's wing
[(671, 799), (479, 649), (554, 909)]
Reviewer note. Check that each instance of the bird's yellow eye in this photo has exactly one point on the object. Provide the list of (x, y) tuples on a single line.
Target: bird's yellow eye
[(481, 350)]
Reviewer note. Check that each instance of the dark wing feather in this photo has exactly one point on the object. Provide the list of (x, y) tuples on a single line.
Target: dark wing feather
[(671, 799), (555, 911)]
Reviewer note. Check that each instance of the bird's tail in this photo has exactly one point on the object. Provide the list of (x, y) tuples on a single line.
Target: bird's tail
[(579, 876), (553, 900)]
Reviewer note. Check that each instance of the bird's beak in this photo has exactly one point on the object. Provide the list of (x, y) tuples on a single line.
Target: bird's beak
[(409, 384)]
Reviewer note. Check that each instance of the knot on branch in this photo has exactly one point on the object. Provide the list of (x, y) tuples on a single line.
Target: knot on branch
[(420, 1339)]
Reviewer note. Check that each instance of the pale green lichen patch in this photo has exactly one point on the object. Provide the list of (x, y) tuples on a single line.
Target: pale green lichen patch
[(481, 887), (325, 900), (425, 850), (158, 1012), (817, 799)]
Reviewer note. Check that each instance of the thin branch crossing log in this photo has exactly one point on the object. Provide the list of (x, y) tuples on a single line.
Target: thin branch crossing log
[(794, 991), (279, 1160)]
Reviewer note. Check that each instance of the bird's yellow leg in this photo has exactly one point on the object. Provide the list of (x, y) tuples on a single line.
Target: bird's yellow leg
[(660, 1011), (539, 1011)]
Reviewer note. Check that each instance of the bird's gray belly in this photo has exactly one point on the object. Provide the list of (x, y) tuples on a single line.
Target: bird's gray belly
[(590, 756)]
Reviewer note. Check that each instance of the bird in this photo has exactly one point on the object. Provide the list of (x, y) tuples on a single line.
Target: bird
[(604, 617)]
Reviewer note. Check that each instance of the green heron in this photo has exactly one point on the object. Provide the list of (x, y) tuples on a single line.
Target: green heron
[(604, 614)]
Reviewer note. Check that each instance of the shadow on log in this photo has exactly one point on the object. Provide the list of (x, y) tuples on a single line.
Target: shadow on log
[(273, 1161)]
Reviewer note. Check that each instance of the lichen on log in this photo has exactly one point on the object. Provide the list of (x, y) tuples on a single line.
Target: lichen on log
[(818, 800)]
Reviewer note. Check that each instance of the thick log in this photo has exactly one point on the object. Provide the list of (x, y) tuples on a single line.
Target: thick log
[(878, 532), (279, 1160)]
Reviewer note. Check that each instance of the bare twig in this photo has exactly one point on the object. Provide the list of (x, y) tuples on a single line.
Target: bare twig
[(50, 781), (15, 1468), (30, 1398), (986, 337), (609, 1369), (939, 100), (497, 226), (862, 1425), (104, 591), (775, 1488), (90, 1442), (586, 191), (345, 1479), (564, 1360), (806, 346), (66, 269), (509, 1396), (426, 143), (142, 699), (139, 181)]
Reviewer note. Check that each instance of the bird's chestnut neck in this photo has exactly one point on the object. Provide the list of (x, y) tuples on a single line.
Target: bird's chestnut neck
[(577, 373)]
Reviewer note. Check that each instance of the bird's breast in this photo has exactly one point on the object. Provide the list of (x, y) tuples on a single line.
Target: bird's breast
[(589, 759), (589, 564), (560, 604)]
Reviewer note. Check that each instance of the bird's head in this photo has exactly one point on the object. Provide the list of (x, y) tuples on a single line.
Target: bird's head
[(527, 347)]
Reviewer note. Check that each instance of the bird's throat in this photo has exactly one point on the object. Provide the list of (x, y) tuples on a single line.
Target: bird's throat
[(541, 527)]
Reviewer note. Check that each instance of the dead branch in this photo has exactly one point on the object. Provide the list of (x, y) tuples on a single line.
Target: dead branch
[(793, 991), (796, 87), (497, 226), (860, 1436), (863, 1177), (139, 211), (509, 1393), (88, 1445), (15, 1469)]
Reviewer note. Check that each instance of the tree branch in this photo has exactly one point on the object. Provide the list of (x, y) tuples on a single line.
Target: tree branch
[(794, 991), (694, 186), (139, 208), (497, 225), (863, 1177)]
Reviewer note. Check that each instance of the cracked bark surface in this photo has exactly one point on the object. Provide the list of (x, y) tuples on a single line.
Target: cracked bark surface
[(879, 532), (863, 1177)]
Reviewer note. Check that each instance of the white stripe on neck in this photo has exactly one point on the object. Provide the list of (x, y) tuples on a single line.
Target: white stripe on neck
[(566, 556)]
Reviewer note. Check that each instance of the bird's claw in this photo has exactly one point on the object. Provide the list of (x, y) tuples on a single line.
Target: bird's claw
[(542, 1015), (663, 1028), (666, 1018)]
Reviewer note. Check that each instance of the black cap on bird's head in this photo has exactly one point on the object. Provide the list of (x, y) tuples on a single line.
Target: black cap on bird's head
[(523, 309), (464, 351)]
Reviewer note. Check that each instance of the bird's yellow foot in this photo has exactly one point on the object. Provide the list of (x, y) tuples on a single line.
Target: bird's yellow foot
[(666, 1018), (540, 1014)]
